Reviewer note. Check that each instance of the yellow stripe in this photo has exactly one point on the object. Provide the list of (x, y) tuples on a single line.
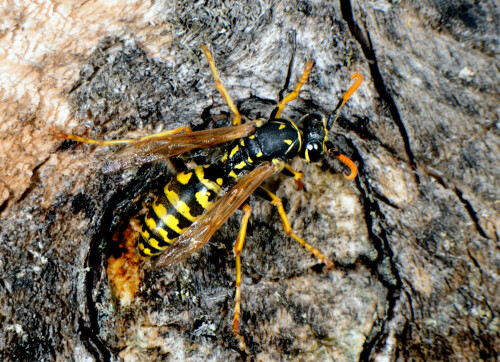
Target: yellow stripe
[(155, 243), (288, 142), (206, 182), (170, 220), (145, 250), (150, 222), (202, 198), (233, 174), (179, 205), (240, 165), (145, 234), (184, 177), (233, 151), (164, 235), (298, 133)]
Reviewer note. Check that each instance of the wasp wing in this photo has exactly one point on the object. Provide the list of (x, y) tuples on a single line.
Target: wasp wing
[(164, 146), (202, 229)]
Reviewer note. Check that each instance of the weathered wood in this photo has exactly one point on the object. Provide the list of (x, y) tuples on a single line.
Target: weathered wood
[(414, 237)]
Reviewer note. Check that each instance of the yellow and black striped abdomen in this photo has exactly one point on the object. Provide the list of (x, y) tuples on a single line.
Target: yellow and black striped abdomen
[(184, 199)]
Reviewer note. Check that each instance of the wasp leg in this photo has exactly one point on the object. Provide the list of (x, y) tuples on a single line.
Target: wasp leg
[(297, 175), (276, 201), (238, 247), (220, 87), (124, 141), (279, 108)]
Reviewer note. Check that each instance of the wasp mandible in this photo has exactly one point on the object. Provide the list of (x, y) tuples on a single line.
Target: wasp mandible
[(196, 202)]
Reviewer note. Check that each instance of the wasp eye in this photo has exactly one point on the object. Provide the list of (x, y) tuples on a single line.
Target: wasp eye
[(314, 151)]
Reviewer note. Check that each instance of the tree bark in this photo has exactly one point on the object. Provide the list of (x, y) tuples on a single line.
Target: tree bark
[(414, 237)]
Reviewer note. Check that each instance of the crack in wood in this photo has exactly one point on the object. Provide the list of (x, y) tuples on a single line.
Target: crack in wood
[(378, 81)]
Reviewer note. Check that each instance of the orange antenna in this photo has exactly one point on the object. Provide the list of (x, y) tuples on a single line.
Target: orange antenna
[(345, 97), (349, 163)]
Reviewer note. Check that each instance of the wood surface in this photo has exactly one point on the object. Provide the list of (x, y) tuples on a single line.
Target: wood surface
[(414, 237)]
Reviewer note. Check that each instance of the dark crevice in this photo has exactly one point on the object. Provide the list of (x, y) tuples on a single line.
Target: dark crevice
[(373, 215), (385, 200), (470, 210), (293, 43), (89, 331), (92, 343), (118, 206), (4, 205), (371, 207), (382, 268), (365, 42), (472, 213), (34, 180), (476, 264), (30, 188), (436, 176), (359, 126)]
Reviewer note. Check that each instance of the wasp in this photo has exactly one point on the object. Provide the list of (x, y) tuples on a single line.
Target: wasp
[(195, 203)]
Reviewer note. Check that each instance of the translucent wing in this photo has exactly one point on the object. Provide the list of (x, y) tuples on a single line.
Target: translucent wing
[(164, 146), (202, 229)]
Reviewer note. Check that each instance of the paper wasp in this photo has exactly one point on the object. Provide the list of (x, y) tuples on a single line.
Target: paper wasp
[(196, 202)]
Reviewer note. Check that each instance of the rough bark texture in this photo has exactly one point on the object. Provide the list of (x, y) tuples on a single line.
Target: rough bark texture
[(414, 237)]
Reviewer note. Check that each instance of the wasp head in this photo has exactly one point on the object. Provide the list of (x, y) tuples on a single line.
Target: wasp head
[(314, 136)]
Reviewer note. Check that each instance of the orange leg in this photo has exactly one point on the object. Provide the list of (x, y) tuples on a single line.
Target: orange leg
[(297, 175), (276, 201), (238, 247), (151, 137), (220, 87), (295, 93)]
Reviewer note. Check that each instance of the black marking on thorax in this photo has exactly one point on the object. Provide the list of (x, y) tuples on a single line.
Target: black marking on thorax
[(276, 139)]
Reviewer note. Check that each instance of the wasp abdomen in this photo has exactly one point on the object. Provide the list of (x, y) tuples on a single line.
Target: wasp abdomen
[(184, 199)]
